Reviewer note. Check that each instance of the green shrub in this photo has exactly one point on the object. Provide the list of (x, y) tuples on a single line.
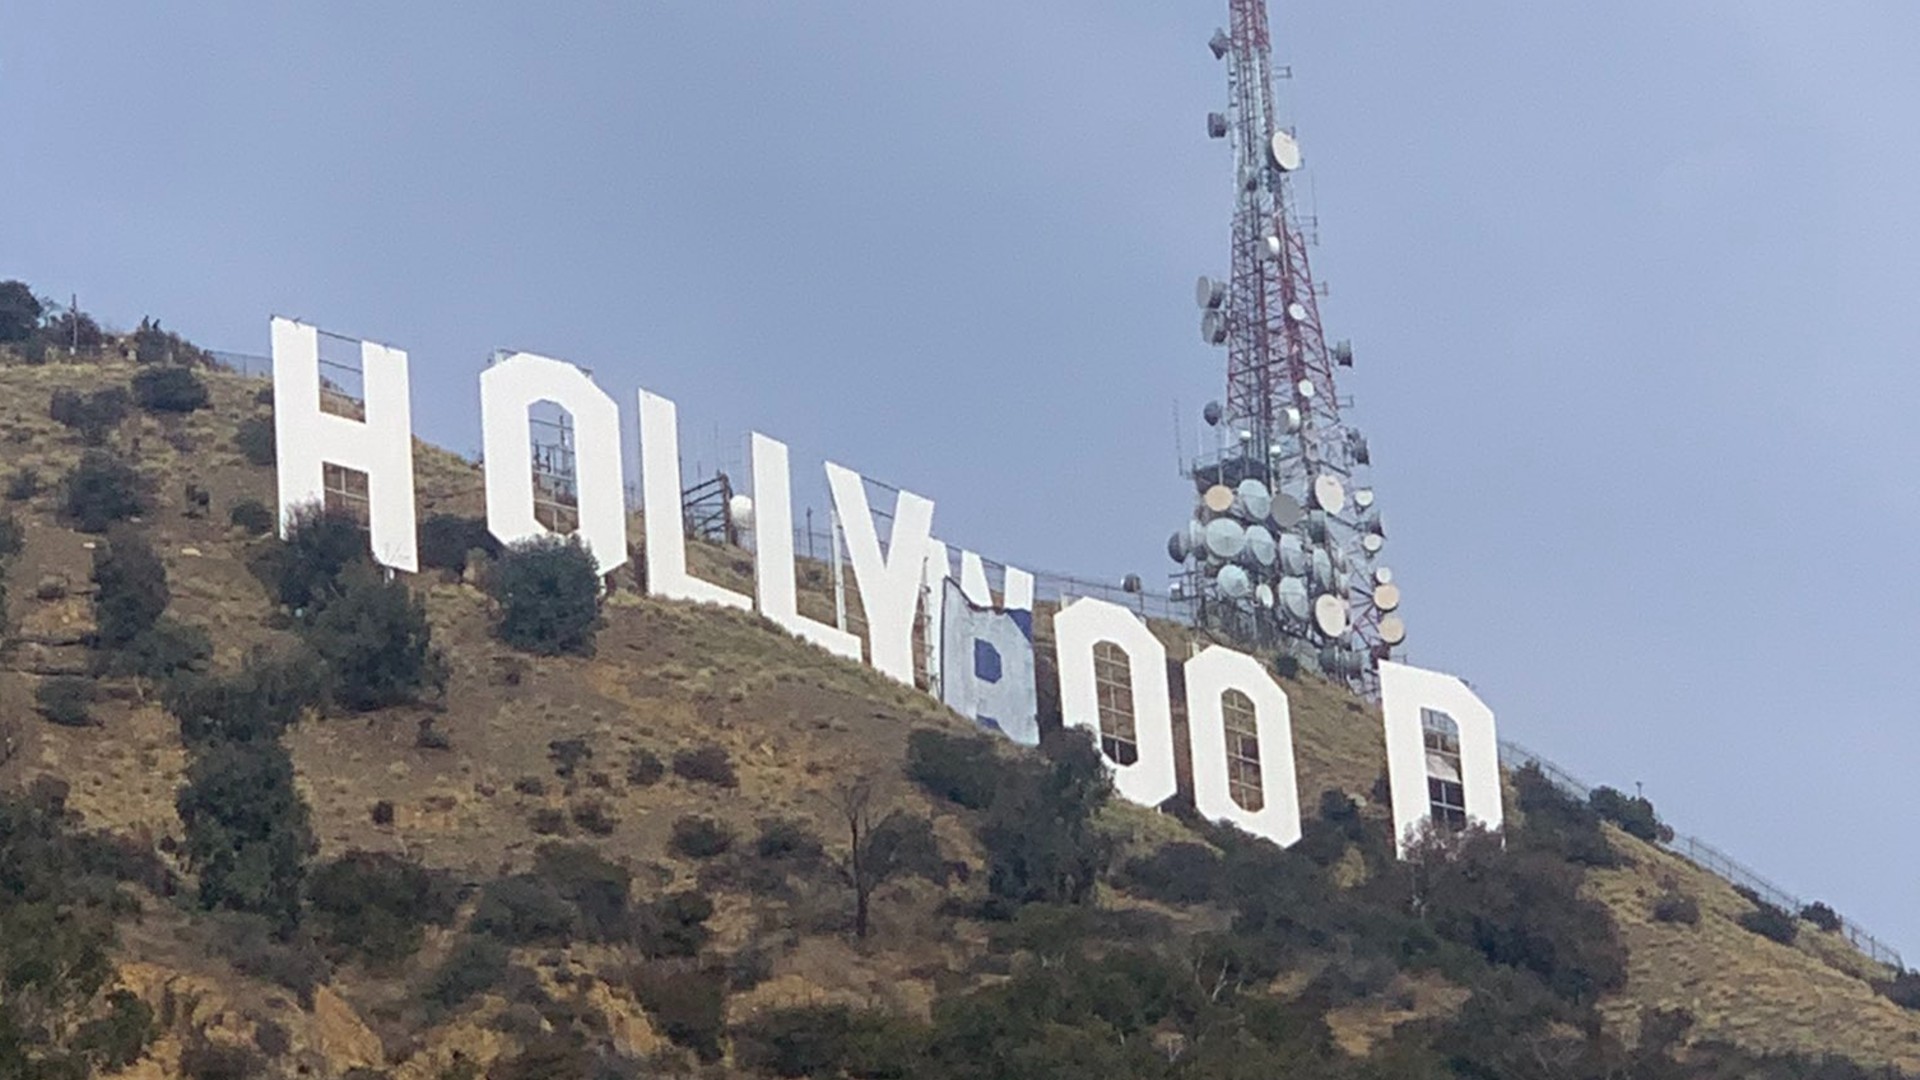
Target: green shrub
[(101, 490), (66, 700), (263, 948), (1174, 873), (1770, 922), (306, 570), (447, 539), (253, 516), (476, 965), (806, 1040), (265, 697), (255, 439), (377, 645), (20, 311), (202, 1059), (548, 597), (1903, 989), (1559, 822), (788, 840), (13, 536), (688, 1005), (1038, 833), (162, 651), (93, 415), (1822, 916), (524, 910), (700, 837), (24, 484), (706, 764), (1634, 815), (644, 768), (169, 389), (247, 832), (118, 1039), (592, 816), (378, 905), (674, 925), (1674, 906), (130, 591), (963, 769), (152, 345), (596, 887)]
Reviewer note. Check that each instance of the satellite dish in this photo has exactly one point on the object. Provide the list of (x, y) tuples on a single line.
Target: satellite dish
[(1338, 661), (1293, 419), (1213, 327), (1363, 497), (1320, 570), (1393, 630), (1386, 597), (1297, 311), (1234, 583), (1225, 538), (1290, 596), (1219, 498), (1328, 493), (1252, 500), (1383, 576), (1292, 553), (740, 511), (1343, 353), (1316, 527), (1212, 413), (1131, 583), (1358, 444), (1177, 548), (1210, 293), (1220, 43), (1263, 595), (1216, 125), (1285, 510), (1196, 538), (1330, 615), (1285, 152), (1261, 545), (1306, 388), (1371, 543)]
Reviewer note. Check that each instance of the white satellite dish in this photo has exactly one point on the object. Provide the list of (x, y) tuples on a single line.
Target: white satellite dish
[(1225, 538), (1285, 510), (1363, 497), (1213, 327), (1330, 615), (1260, 545), (1273, 247), (1210, 293), (1371, 543), (740, 511), (1196, 538), (1177, 548), (1285, 151), (1393, 630), (1234, 583), (1218, 498), (1252, 499), (1293, 555), (1382, 575), (1306, 388), (1263, 595), (1320, 570), (1328, 493), (1297, 311), (1386, 597), (1293, 419), (1290, 596)]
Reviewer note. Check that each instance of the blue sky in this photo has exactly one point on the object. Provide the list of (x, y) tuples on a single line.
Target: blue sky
[(1629, 287)]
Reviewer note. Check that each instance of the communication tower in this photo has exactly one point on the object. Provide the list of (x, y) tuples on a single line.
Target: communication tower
[(1283, 548)]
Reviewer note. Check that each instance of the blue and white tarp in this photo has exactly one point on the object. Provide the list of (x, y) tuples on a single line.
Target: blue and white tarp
[(987, 665)]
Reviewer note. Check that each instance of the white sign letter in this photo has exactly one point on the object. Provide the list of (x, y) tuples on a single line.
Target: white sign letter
[(1150, 780), (306, 439), (890, 584), (1406, 693), (773, 569), (1209, 676), (660, 500), (508, 390)]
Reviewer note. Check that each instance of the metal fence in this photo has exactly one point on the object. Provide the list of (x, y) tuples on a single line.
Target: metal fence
[(1708, 858)]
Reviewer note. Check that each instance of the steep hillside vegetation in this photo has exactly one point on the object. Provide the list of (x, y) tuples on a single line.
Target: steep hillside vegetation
[(267, 814)]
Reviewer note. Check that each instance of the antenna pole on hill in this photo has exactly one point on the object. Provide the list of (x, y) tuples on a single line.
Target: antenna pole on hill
[(1282, 548)]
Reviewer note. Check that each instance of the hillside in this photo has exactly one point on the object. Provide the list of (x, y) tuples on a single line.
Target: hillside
[(1368, 976)]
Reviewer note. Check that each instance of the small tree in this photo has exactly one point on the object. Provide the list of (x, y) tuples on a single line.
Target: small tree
[(251, 515), (66, 700), (19, 311), (548, 595), (93, 415), (377, 644), (1039, 834), (247, 829), (254, 438), (131, 588), (880, 848), (169, 389), (306, 570), (447, 539), (101, 490)]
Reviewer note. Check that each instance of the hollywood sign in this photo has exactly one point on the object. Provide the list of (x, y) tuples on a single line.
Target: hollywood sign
[(892, 583)]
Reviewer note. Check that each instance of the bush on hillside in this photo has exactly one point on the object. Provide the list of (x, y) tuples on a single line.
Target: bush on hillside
[(13, 536), (247, 831), (93, 415), (596, 888), (687, 1005), (962, 769), (1674, 906), (255, 439), (478, 964), (130, 588), (548, 596), (1903, 989), (1039, 834), (152, 345), (65, 700), (305, 571), (674, 925), (1559, 822), (644, 769), (378, 905), (1174, 873), (375, 640), (1771, 922), (524, 909), (1822, 916), (20, 311), (167, 648), (101, 490), (251, 515), (23, 484), (447, 539), (707, 765), (169, 390), (258, 702), (698, 837), (1634, 814)]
